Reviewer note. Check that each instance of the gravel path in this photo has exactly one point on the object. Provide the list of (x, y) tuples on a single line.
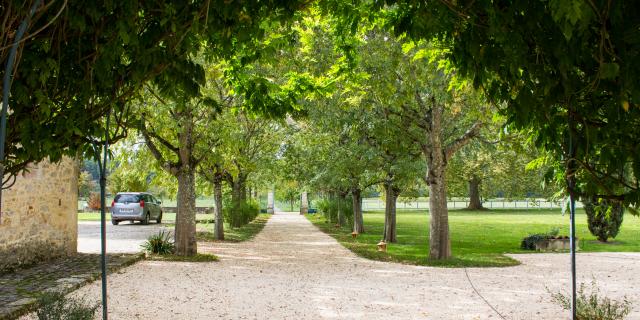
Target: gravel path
[(123, 238), (291, 270)]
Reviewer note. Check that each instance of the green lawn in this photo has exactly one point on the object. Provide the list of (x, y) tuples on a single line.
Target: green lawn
[(243, 233), (166, 202), (478, 238), (166, 216), (198, 257)]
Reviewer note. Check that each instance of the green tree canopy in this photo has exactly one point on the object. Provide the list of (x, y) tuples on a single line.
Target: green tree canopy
[(566, 69), (80, 59)]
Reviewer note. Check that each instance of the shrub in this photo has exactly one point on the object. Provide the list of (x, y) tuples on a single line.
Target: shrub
[(160, 243), (604, 217), (94, 201), (56, 306), (330, 209), (240, 214), (529, 242), (592, 306)]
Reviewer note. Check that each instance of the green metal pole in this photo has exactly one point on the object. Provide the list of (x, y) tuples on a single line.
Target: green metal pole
[(572, 215), (103, 215)]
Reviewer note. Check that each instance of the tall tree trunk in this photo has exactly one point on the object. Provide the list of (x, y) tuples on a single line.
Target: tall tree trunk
[(342, 217), (358, 223), (218, 232), (243, 190), (439, 243), (238, 190), (236, 203), (390, 212), (474, 193), (236, 193), (185, 230)]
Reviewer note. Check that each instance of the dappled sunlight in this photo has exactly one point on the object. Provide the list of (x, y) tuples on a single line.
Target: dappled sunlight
[(336, 159)]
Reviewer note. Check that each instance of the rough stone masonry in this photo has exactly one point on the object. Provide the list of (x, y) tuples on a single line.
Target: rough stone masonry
[(39, 215)]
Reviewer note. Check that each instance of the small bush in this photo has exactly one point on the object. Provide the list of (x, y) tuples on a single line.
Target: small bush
[(332, 207), (604, 217), (592, 306), (240, 214), (160, 243), (328, 209), (56, 306), (94, 201), (529, 242)]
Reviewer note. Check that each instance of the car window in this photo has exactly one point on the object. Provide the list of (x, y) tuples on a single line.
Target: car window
[(127, 198)]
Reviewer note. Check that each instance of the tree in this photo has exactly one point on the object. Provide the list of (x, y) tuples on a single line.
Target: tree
[(432, 106), (352, 125), (508, 167), (604, 217), (434, 109), (61, 92), (289, 191), (216, 176), (174, 132), (85, 184), (245, 145), (397, 157), (565, 71), (249, 143), (91, 167)]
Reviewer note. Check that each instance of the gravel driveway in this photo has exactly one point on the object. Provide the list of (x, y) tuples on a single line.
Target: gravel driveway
[(291, 270), (123, 238)]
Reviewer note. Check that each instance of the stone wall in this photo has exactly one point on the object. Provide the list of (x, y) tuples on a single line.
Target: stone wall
[(39, 215)]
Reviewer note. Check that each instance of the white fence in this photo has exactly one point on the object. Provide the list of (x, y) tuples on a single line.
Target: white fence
[(378, 204)]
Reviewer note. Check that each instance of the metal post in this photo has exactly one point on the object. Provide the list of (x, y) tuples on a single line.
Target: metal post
[(572, 215), (571, 184), (103, 224)]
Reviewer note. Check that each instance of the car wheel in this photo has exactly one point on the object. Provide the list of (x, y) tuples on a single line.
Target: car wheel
[(115, 222), (146, 219), (159, 220)]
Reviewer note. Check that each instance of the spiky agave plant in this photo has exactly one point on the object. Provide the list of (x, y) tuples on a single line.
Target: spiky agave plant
[(161, 243)]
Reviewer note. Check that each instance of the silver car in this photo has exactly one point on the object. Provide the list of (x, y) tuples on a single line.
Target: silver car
[(135, 206)]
